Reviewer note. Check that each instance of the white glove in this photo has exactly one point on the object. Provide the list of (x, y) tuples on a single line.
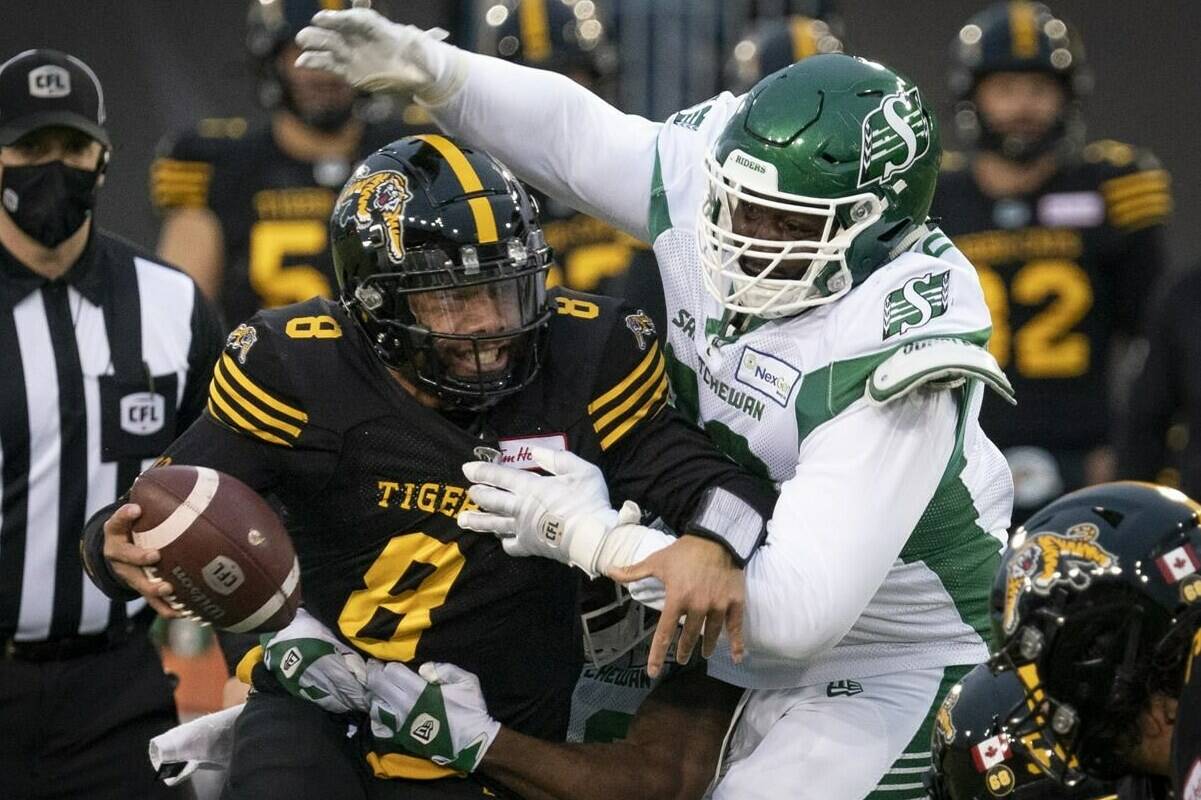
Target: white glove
[(438, 712), (564, 516), (375, 55), (310, 663)]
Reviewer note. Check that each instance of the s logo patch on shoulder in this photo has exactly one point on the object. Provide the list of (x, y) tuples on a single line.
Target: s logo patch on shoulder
[(918, 301)]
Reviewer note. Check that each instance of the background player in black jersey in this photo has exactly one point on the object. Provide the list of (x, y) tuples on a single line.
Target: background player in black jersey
[(591, 255), (245, 204), (358, 417), (1067, 240), (1099, 620)]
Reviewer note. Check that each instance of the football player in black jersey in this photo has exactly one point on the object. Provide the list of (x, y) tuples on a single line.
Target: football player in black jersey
[(1099, 620), (358, 416), (592, 256), (245, 204), (1067, 240)]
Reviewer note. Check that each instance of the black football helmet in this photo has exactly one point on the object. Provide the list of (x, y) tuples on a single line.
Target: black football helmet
[(1018, 36), (972, 756), (271, 25), (440, 259), (1097, 593), (567, 36), (776, 42)]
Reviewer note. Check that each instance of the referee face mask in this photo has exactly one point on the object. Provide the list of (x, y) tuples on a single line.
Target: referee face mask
[(49, 201)]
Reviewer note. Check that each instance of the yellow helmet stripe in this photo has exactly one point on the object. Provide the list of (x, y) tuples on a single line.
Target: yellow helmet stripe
[(1023, 30), (804, 43), (535, 30), (481, 209)]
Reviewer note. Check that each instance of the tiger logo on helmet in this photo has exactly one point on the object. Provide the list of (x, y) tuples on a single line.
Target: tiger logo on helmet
[(379, 200), (1048, 559)]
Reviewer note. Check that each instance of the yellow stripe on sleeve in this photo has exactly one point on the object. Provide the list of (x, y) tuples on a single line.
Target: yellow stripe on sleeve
[(249, 407), (652, 405), (469, 179), (225, 412), (255, 391), (616, 391), (1117, 189), (634, 397), (401, 765)]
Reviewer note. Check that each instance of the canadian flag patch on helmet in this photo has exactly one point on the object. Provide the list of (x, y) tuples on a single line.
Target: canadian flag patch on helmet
[(991, 752), (895, 136), (1178, 563)]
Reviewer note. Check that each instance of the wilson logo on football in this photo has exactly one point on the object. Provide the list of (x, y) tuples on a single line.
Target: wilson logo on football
[(1047, 559)]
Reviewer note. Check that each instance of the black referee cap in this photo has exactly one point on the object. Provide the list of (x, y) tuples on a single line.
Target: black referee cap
[(44, 88)]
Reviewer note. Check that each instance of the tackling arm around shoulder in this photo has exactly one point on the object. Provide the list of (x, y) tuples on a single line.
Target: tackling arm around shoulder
[(537, 122)]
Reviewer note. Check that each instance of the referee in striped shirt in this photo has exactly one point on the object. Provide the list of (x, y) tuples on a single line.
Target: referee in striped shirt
[(105, 356)]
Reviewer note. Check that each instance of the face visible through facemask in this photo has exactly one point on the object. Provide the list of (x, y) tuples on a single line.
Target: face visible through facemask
[(474, 311), (777, 225), (48, 183)]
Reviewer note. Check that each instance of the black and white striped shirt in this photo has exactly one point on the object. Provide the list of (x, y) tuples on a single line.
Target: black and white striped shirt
[(99, 371)]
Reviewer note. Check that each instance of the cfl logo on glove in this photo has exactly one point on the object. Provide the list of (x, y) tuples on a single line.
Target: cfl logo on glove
[(552, 529), (425, 728)]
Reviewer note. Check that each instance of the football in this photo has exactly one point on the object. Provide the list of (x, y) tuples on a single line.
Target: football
[(223, 548)]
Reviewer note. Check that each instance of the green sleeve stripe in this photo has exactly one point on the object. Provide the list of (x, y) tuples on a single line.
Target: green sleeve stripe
[(659, 218)]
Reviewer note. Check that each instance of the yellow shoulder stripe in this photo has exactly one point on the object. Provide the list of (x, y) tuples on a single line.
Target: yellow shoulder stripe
[(260, 394), (469, 179), (602, 423), (1154, 180), (244, 404), (224, 412), (613, 393), (647, 409)]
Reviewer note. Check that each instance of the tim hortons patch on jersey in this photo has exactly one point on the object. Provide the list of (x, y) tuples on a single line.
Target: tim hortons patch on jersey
[(895, 135), (515, 450), (1048, 559), (916, 302), (768, 374)]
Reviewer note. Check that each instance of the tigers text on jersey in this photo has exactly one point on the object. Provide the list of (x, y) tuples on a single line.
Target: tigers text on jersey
[(273, 209), (371, 482), (761, 388), (1063, 269)]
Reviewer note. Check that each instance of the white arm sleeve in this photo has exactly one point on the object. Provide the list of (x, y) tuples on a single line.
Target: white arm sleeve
[(863, 481), (558, 136)]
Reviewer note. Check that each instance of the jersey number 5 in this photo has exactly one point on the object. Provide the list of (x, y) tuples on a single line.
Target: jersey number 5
[(273, 241), (411, 577), (1045, 346)]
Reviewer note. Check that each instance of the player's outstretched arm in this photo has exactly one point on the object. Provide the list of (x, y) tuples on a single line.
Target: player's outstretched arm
[(550, 130), (671, 750)]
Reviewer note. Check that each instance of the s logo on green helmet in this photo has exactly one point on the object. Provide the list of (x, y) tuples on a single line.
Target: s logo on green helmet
[(895, 136)]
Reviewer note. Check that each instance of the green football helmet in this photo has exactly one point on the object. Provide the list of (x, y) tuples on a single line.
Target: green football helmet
[(845, 144)]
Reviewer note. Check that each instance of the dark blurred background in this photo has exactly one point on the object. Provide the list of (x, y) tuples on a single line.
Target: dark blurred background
[(166, 63)]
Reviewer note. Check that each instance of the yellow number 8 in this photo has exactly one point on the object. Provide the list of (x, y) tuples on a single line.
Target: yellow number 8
[(580, 309), (322, 327)]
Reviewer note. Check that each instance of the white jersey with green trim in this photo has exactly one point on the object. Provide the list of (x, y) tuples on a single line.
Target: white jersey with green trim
[(881, 549), (761, 388)]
